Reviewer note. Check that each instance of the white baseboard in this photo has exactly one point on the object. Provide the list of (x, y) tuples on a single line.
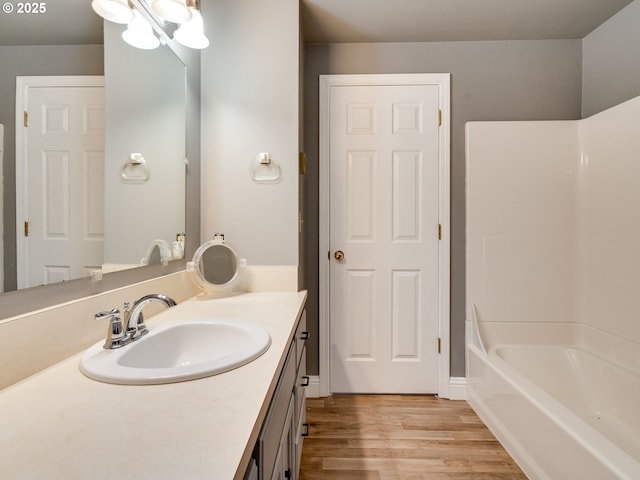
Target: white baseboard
[(313, 389), (457, 388)]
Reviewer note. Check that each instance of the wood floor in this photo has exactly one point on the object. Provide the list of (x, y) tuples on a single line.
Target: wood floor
[(400, 437)]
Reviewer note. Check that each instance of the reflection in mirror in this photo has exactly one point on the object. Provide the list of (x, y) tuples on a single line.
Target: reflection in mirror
[(144, 148), (51, 44), (158, 254), (32, 60), (140, 207), (155, 257), (59, 171)]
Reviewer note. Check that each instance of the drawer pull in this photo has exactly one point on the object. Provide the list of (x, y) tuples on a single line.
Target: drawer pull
[(305, 381), (304, 336), (305, 430)]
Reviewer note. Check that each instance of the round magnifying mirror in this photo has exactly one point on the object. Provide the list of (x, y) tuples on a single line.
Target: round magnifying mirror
[(216, 266)]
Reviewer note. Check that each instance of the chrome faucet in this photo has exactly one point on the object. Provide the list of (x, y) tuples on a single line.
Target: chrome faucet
[(134, 321), (134, 327)]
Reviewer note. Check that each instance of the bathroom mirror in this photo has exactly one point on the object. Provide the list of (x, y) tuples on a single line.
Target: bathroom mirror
[(75, 48), (144, 112)]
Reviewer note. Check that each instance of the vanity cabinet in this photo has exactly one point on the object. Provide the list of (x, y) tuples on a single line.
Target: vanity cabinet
[(221, 417), (300, 393), (279, 448)]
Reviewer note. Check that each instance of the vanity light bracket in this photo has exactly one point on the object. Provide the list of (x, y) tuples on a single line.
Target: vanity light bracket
[(163, 28)]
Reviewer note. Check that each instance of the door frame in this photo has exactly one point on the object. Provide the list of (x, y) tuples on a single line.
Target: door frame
[(442, 80), (23, 84)]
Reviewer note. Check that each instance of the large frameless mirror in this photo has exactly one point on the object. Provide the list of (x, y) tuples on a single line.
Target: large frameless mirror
[(145, 113)]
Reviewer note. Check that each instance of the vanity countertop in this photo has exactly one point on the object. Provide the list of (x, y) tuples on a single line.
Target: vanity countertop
[(59, 424)]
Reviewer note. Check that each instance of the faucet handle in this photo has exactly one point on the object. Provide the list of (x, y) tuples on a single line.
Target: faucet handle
[(116, 336)]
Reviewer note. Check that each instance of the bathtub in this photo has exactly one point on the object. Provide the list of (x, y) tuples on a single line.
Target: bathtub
[(562, 411)]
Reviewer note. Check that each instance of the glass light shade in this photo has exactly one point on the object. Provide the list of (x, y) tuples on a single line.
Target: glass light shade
[(191, 34), (139, 34), (175, 11), (117, 11)]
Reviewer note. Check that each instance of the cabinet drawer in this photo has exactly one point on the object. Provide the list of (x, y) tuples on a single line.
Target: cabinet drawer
[(302, 380), (274, 425), (301, 432), (301, 335), (283, 458)]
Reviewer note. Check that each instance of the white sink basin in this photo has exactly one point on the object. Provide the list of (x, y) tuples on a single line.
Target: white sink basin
[(177, 351)]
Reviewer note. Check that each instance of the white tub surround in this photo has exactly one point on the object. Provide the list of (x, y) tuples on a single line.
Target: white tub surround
[(61, 424), (552, 262)]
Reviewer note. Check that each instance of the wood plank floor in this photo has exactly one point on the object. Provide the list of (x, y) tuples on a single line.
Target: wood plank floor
[(400, 437)]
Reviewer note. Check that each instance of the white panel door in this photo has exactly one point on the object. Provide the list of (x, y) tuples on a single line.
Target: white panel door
[(383, 207), (65, 183)]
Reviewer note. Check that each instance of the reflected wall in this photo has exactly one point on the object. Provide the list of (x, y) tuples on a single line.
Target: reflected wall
[(145, 114)]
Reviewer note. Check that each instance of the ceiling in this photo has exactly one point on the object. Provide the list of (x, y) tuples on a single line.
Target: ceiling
[(336, 21), (65, 22)]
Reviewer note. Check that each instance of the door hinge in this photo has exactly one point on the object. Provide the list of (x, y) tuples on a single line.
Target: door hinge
[(439, 345), (302, 163), (25, 118), (439, 117), (26, 229), (439, 232)]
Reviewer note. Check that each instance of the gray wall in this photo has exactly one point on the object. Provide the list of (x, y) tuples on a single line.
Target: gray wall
[(611, 61), (496, 80), (23, 61), (250, 105)]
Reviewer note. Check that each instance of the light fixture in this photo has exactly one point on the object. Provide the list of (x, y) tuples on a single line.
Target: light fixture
[(191, 34), (176, 11), (139, 34), (117, 11), (177, 19)]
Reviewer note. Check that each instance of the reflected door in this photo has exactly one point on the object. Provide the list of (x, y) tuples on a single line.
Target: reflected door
[(384, 238), (64, 224)]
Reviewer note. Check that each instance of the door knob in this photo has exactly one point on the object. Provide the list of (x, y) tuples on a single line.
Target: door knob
[(338, 255)]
